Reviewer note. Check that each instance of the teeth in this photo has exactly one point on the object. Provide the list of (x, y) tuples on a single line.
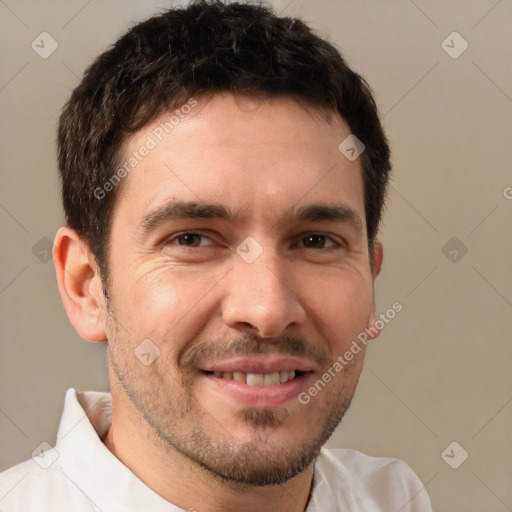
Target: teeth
[(271, 379), (258, 379), (255, 379), (239, 376)]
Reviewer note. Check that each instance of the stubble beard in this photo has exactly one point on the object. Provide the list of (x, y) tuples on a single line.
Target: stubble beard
[(182, 425)]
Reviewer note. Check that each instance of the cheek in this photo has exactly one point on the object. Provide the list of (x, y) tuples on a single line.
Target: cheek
[(343, 306), (156, 296), (164, 304)]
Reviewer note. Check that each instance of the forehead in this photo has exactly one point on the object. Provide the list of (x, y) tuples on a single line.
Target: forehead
[(254, 155)]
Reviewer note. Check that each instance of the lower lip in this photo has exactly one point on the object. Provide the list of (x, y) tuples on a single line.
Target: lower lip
[(260, 396)]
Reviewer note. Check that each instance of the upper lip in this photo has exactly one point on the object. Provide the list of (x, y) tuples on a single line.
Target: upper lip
[(259, 365)]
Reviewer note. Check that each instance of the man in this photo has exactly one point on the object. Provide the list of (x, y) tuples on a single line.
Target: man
[(223, 175)]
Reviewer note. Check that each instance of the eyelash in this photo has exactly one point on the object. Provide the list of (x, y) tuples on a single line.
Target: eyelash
[(169, 241)]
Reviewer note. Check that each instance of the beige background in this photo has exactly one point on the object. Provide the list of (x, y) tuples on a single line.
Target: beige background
[(440, 372)]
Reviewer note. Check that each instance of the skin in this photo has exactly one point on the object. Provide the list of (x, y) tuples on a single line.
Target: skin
[(200, 302)]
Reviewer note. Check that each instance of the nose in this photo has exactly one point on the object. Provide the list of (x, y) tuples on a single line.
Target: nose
[(262, 297)]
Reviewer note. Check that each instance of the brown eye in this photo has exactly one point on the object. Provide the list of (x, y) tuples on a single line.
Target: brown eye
[(316, 241), (189, 240)]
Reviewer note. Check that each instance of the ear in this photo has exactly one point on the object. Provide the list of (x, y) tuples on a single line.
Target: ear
[(80, 285), (378, 255)]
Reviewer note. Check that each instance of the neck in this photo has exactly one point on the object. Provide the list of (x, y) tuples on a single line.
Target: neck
[(183, 482)]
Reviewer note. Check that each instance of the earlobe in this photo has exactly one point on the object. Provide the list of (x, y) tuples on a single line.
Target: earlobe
[(79, 284)]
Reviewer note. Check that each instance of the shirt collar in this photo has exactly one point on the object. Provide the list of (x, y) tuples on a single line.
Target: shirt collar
[(91, 466)]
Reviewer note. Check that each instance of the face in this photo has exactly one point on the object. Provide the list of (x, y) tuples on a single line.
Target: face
[(239, 250)]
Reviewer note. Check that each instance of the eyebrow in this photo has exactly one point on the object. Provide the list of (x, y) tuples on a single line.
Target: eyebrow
[(335, 213), (178, 210)]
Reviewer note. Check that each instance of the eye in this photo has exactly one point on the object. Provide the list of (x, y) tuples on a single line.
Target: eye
[(317, 241), (188, 239)]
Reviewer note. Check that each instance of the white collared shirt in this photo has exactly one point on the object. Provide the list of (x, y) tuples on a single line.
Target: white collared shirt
[(80, 474)]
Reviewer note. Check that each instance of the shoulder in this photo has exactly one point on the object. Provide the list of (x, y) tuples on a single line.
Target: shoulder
[(362, 463), (385, 481), (38, 486)]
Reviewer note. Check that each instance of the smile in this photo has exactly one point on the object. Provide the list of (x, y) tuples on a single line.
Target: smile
[(260, 382)]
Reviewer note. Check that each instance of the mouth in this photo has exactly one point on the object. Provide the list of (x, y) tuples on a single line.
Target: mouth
[(258, 382)]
